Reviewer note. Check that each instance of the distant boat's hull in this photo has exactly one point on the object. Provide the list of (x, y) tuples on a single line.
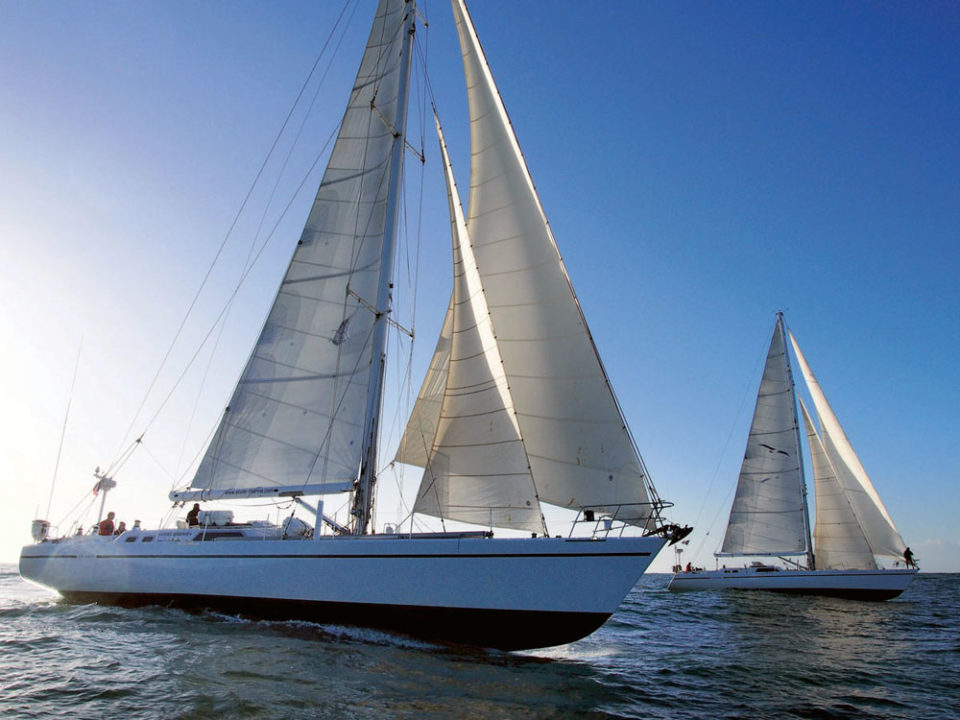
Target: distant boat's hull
[(502, 593), (852, 584)]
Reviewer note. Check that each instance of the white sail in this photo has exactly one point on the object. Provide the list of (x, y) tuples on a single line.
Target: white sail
[(477, 469), (296, 418), (768, 512), (878, 528), (576, 440), (417, 440), (838, 538)]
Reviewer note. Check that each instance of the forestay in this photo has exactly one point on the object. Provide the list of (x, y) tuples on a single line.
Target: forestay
[(296, 418)]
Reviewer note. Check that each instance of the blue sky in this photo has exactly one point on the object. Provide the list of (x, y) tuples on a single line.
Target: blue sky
[(703, 165)]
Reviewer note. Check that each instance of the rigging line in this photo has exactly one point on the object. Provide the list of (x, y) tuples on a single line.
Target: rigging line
[(382, 61), (353, 262), (405, 371), (276, 185), (306, 115), (196, 456), (63, 431), (124, 456), (269, 202), (196, 403), (160, 465), (413, 286), (83, 499), (246, 272), (405, 376), (413, 276), (229, 232), (716, 473), (336, 404), (382, 69), (325, 443), (233, 294)]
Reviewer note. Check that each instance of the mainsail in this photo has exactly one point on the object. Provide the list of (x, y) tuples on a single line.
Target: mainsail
[(878, 529), (554, 388), (298, 417), (768, 516)]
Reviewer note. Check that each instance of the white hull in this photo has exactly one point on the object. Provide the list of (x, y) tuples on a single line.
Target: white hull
[(854, 584), (503, 593)]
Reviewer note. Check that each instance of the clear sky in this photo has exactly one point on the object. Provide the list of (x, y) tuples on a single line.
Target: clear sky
[(702, 164)]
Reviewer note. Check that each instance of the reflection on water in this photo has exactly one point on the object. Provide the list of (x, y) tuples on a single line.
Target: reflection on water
[(692, 655)]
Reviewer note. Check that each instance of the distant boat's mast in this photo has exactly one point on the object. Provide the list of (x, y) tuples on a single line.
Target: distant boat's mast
[(363, 495), (796, 427)]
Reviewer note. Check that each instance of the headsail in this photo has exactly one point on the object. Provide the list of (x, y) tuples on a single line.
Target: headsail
[(417, 440), (579, 449), (840, 543), (476, 470), (768, 516), (296, 418), (878, 529)]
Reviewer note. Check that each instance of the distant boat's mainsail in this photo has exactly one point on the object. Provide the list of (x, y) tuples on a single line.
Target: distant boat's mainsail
[(769, 515), (299, 419), (552, 429)]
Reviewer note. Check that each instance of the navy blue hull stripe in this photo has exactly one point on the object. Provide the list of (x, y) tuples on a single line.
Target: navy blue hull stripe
[(409, 556), (500, 629)]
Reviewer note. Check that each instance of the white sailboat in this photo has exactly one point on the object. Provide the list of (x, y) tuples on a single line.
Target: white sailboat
[(770, 516), (515, 412)]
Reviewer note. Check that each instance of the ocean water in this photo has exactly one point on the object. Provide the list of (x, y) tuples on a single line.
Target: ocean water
[(662, 655)]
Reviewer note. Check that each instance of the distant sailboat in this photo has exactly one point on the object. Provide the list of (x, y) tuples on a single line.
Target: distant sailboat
[(770, 516), (516, 411)]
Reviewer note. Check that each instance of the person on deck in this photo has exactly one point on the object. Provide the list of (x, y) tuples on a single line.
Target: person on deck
[(106, 526), (193, 517), (121, 528), (908, 558)]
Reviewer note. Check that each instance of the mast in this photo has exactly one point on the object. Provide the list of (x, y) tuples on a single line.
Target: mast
[(362, 509), (796, 426)]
